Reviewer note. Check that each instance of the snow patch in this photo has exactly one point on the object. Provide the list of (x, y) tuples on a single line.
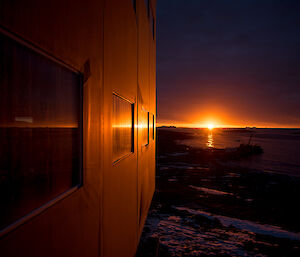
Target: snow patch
[(247, 225), (210, 191)]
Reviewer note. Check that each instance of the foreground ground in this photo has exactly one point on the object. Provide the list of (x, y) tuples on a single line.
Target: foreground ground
[(207, 205)]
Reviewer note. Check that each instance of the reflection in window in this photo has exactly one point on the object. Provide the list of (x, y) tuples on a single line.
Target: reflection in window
[(40, 135), (152, 126), (144, 126), (122, 125), (152, 25)]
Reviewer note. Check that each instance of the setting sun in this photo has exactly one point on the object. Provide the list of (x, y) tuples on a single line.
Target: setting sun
[(210, 126)]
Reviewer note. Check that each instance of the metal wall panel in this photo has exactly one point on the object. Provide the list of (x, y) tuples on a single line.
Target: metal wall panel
[(120, 221), (111, 44), (146, 101), (70, 32)]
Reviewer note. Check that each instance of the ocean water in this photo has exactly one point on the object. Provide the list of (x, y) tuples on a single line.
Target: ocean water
[(281, 146), (210, 210)]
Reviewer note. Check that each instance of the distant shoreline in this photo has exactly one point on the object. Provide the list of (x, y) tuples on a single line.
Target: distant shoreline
[(235, 128), (174, 127)]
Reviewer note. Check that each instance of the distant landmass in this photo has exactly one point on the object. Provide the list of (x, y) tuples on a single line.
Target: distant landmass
[(167, 127)]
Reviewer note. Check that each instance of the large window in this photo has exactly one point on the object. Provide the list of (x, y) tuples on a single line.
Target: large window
[(122, 124), (40, 130)]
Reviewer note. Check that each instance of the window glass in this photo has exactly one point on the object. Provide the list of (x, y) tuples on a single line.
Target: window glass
[(122, 125), (152, 130), (151, 125), (144, 126), (152, 25), (40, 135)]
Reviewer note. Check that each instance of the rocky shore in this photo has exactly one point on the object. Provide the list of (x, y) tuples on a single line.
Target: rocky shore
[(205, 204)]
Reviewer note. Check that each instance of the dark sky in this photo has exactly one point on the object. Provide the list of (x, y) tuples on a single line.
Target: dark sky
[(230, 62)]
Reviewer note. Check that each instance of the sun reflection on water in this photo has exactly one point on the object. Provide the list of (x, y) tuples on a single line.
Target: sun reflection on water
[(210, 140)]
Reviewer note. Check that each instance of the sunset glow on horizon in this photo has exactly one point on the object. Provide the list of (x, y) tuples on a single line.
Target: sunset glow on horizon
[(210, 126), (231, 75), (220, 126), (219, 119)]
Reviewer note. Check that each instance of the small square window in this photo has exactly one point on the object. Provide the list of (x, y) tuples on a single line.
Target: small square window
[(152, 127), (122, 125), (152, 25), (144, 127)]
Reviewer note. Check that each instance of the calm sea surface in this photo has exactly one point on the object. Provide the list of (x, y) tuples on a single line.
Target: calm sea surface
[(281, 146)]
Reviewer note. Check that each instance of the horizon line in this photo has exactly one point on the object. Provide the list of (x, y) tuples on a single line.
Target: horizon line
[(225, 127)]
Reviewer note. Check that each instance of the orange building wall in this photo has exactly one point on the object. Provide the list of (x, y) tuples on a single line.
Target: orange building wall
[(105, 216)]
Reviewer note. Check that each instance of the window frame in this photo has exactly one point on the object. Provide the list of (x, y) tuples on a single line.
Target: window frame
[(132, 129), (153, 127), (148, 129), (152, 23)]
